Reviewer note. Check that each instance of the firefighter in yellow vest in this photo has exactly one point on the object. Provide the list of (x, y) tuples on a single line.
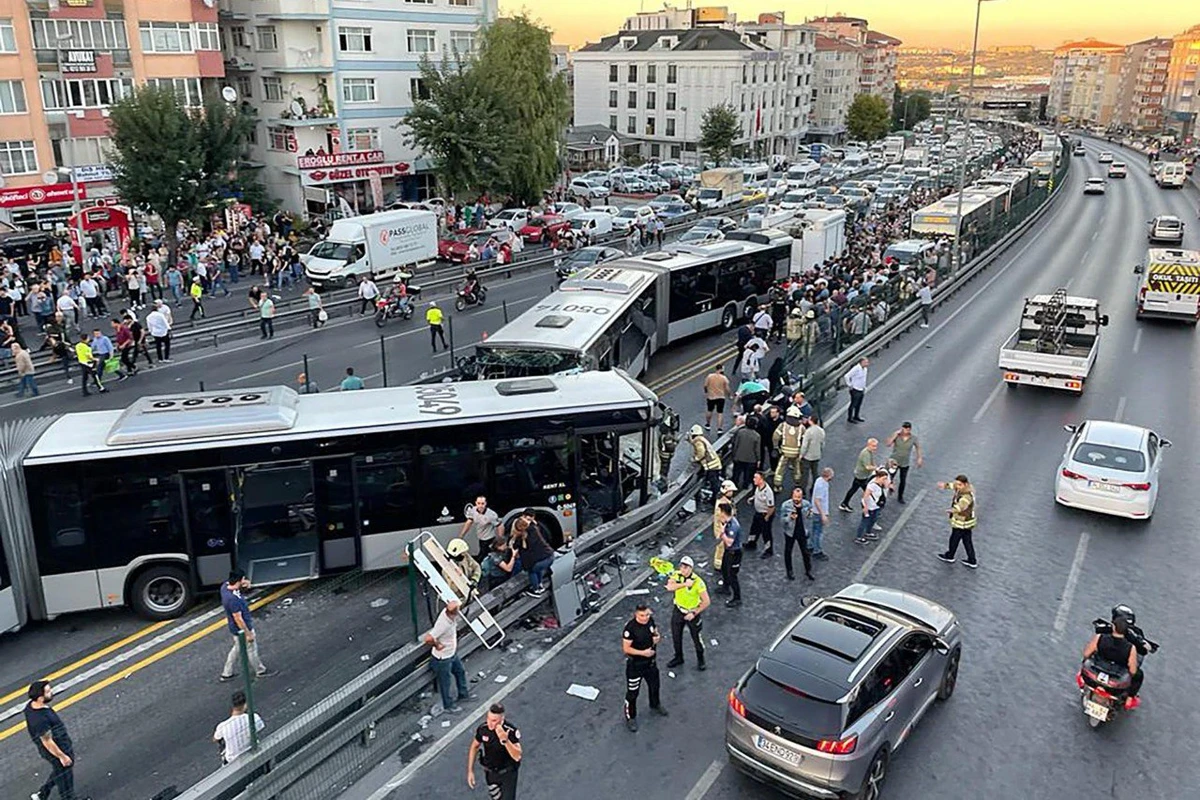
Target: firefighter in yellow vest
[(787, 440), (707, 457)]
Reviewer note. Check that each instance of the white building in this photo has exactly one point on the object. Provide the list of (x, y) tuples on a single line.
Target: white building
[(1086, 80), (331, 80), (798, 45), (654, 86), (837, 69)]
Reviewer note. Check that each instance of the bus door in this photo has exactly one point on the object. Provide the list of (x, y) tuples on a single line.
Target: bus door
[(275, 522), (209, 521), (337, 520)]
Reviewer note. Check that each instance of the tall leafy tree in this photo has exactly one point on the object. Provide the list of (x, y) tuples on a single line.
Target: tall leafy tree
[(719, 128), (912, 108), (458, 124), (868, 118), (516, 68)]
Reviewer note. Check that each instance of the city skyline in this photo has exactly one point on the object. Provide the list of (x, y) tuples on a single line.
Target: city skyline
[(930, 23)]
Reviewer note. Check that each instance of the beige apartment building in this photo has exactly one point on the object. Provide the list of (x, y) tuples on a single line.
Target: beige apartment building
[(1142, 88), (1085, 81), (1183, 81)]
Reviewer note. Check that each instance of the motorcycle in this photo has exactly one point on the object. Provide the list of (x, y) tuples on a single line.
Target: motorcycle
[(564, 273), (468, 297), (391, 307), (1104, 686)]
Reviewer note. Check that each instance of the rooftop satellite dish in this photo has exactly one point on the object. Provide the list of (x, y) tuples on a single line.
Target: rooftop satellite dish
[(228, 93)]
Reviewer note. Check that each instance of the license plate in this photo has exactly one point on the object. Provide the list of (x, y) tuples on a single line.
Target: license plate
[(1095, 710), (779, 751), (1104, 487)]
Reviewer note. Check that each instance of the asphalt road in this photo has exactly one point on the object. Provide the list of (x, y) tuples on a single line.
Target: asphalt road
[(1013, 729)]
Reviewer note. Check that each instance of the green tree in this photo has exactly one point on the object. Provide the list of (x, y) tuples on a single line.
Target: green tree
[(515, 68), (719, 127), (174, 161), (457, 123), (868, 118), (913, 107)]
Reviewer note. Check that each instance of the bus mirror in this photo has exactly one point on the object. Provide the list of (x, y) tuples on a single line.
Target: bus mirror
[(1138, 269), (1104, 320)]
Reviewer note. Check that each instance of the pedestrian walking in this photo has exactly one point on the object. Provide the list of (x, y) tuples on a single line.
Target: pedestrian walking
[(690, 602), (138, 332), (159, 327), (792, 512), (52, 741), (716, 392), (925, 299), (486, 523), (763, 322), (196, 292), (367, 292), (962, 520), (864, 470), (812, 445), (639, 643), (904, 446), (434, 318), (237, 616), (444, 661), (728, 490), (352, 382), (233, 733), (317, 315), (706, 457), (266, 317), (497, 745), (126, 348), (746, 450), (731, 563), (25, 371), (856, 382), (306, 385), (820, 514), (751, 361), (788, 440), (763, 501), (88, 365), (872, 499)]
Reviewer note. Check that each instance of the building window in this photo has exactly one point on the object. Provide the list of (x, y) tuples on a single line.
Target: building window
[(612, 122), (12, 98), (362, 139), (208, 36), (672, 73), (633, 73), (237, 35), (670, 127), (612, 98), (650, 126), (8, 37), (421, 40), (632, 102), (655, 149), (631, 125), (277, 139), (417, 89), (58, 95), (462, 41), (18, 158), (650, 100), (358, 90), (166, 37), (651, 73), (245, 87), (463, 3), (82, 151), (186, 89), (72, 34), (419, 2), (354, 40), (612, 73), (268, 42), (273, 89), (670, 101)]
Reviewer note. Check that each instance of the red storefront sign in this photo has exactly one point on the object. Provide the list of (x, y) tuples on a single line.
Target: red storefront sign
[(40, 195), (323, 177), (356, 158)]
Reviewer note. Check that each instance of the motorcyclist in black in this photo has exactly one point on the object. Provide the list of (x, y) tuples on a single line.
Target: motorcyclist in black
[(1116, 647), (471, 287)]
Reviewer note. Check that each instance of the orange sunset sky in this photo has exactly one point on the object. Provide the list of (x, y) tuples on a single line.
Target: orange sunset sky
[(944, 23)]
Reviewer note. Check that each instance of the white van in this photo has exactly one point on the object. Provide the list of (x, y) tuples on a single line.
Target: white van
[(804, 175), (1171, 175), (378, 245), (596, 223), (1169, 285)]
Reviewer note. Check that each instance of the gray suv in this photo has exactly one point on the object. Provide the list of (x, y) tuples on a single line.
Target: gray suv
[(836, 694)]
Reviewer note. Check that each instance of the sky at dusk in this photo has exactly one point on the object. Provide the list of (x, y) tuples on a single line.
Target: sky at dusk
[(942, 23)]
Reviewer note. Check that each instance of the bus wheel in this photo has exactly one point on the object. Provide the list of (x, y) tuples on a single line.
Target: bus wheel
[(161, 592), (728, 319)]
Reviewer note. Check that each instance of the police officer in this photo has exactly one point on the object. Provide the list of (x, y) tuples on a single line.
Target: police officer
[(639, 642), (497, 742), (763, 500), (787, 440), (691, 599)]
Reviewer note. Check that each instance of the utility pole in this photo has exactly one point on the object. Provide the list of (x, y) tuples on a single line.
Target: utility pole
[(962, 158)]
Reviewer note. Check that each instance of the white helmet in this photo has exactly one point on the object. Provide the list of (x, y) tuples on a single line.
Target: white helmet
[(456, 548), (695, 430)]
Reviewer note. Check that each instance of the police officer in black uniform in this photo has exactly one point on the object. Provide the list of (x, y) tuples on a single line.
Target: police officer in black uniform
[(639, 642), (497, 742)]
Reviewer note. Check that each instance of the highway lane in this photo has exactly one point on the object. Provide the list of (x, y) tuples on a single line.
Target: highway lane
[(1014, 728)]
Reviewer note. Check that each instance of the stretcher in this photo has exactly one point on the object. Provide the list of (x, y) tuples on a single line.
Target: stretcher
[(450, 583)]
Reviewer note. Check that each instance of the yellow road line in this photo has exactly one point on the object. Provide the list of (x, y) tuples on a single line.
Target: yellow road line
[(151, 659), (69, 668), (689, 369)]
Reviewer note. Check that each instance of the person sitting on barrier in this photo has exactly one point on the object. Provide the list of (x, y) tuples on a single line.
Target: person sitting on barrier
[(500, 564)]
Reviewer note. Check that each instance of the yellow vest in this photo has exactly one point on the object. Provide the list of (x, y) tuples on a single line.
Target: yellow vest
[(434, 316), (688, 599), (705, 454)]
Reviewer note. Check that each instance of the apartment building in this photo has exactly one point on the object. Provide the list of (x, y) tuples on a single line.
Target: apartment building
[(877, 52), (837, 69), (653, 86), (1142, 88), (1085, 81), (62, 64), (798, 45), (1183, 82), (331, 80)]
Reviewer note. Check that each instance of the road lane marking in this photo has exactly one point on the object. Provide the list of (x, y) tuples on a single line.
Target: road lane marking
[(151, 659), (878, 552), (707, 780), (425, 329), (1064, 607), (1120, 415), (1137, 341), (471, 718), (988, 403)]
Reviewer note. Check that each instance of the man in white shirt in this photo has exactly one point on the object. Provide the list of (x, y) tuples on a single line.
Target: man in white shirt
[(856, 381), (925, 298), (367, 292), (159, 327), (763, 323), (69, 308), (233, 734), (751, 360), (486, 523), (443, 638), (90, 292)]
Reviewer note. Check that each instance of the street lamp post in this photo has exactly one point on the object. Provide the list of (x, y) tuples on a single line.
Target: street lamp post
[(76, 205), (962, 161)]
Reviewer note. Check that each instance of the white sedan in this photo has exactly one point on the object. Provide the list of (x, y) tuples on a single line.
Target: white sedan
[(1095, 186), (632, 215), (1105, 157), (1111, 468), (1117, 169)]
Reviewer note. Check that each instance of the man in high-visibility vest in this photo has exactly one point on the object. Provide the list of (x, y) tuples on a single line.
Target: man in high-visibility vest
[(704, 454), (89, 365), (691, 599), (434, 316), (787, 440)]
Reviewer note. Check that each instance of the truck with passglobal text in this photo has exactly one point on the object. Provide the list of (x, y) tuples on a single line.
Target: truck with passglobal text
[(720, 187), (378, 245)]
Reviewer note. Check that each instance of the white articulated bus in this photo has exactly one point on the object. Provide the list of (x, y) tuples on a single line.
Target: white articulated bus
[(622, 312), (148, 506)]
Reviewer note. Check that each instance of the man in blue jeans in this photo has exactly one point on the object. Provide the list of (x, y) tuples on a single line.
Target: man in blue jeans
[(536, 554), (443, 638), (871, 500)]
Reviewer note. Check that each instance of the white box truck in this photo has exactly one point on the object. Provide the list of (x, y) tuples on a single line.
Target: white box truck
[(720, 187), (1056, 343), (378, 245), (818, 235)]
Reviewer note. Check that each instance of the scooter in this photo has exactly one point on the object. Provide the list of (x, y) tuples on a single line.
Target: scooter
[(391, 307), (470, 298), (1105, 687)]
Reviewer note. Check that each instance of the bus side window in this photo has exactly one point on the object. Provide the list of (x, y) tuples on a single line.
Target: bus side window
[(599, 481), (58, 523)]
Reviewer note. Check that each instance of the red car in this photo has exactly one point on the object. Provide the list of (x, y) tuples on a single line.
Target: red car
[(545, 227), (454, 247)]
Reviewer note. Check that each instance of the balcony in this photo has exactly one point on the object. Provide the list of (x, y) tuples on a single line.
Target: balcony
[(228, 11), (284, 10)]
